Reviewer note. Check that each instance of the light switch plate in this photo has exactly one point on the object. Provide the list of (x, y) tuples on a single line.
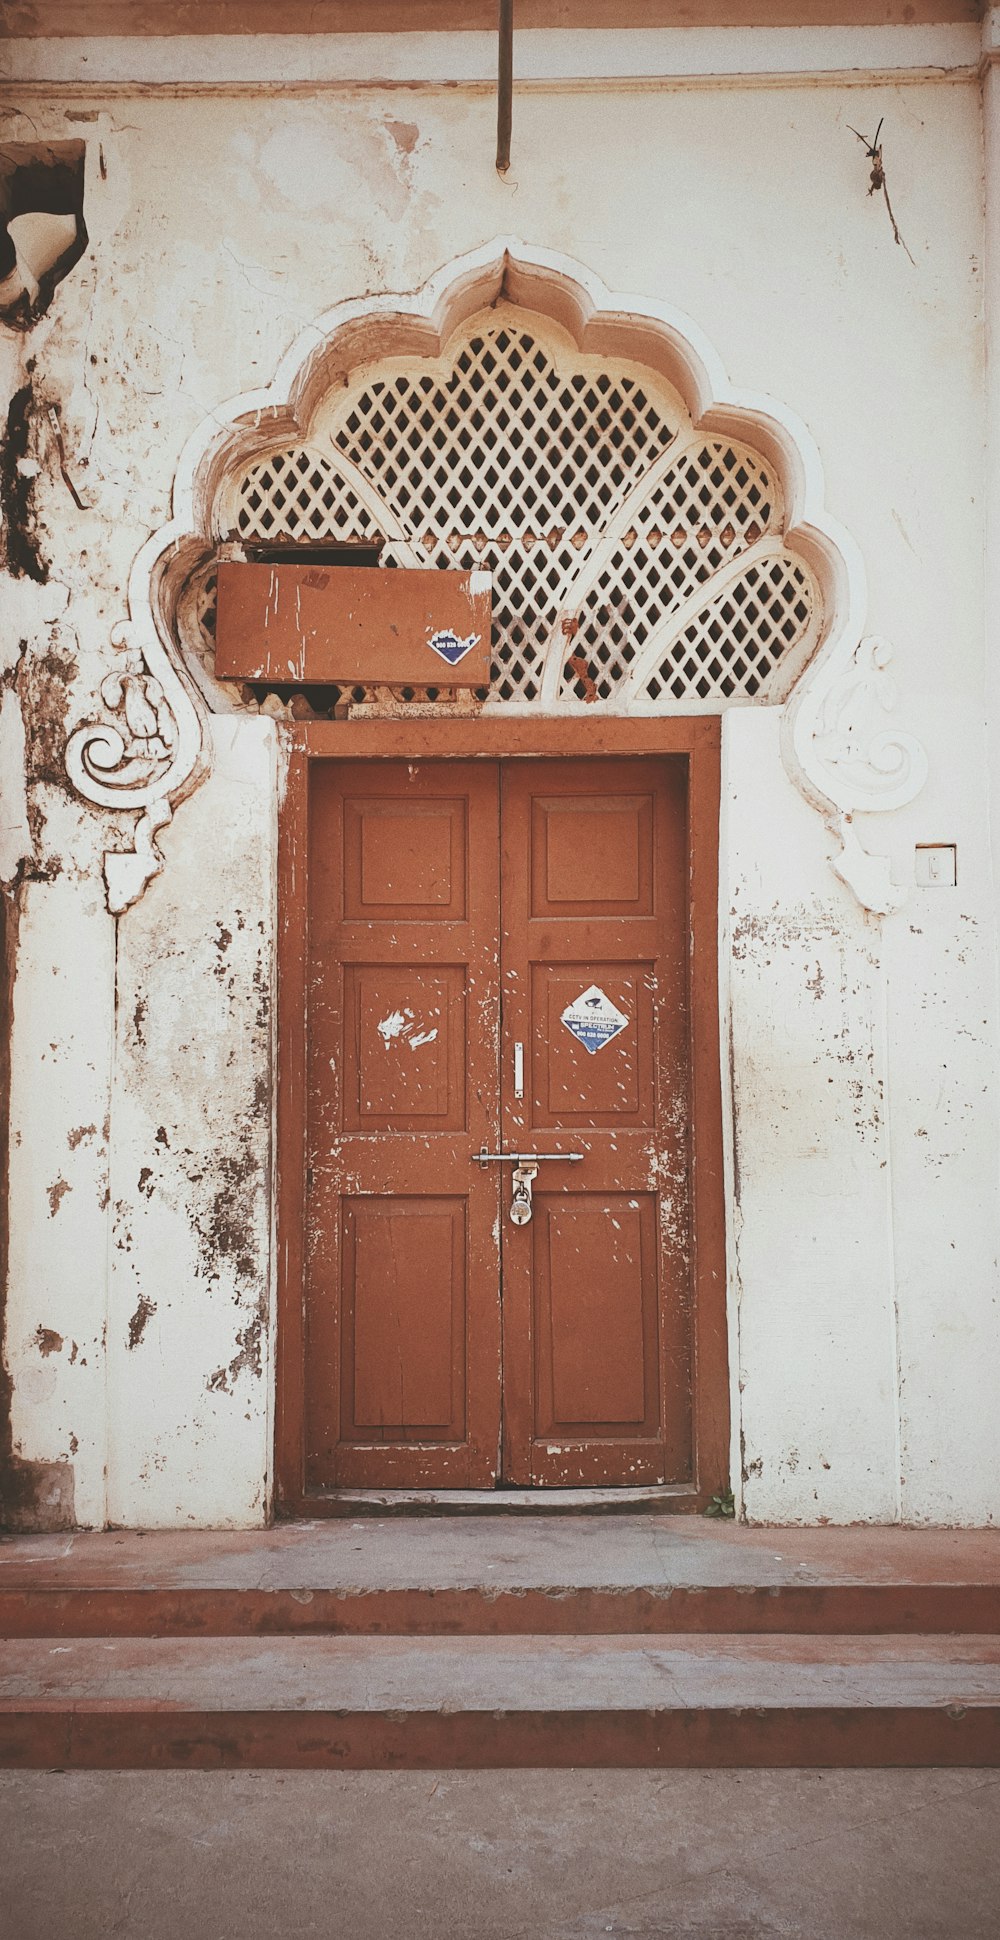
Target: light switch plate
[(936, 865)]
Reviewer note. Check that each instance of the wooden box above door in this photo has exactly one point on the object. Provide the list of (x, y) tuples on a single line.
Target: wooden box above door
[(304, 622)]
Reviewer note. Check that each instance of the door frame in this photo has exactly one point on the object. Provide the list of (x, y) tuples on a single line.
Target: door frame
[(497, 737)]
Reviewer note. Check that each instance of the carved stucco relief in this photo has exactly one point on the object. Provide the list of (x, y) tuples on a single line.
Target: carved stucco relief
[(852, 763), (146, 753)]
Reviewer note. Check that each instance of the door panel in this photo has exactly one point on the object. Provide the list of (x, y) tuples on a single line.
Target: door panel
[(591, 856), (613, 1087), (403, 1298), (595, 1329), (596, 1288), (405, 860), (402, 1374), (404, 1048)]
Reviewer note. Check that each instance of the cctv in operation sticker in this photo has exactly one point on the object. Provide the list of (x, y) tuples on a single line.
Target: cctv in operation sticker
[(450, 646), (593, 1019)]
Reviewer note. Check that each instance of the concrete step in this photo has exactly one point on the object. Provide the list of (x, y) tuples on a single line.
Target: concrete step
[(481, 1576), (476, 1702)]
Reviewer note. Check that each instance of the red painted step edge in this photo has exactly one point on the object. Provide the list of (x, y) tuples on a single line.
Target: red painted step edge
[(117, 1736), (825, 1609)]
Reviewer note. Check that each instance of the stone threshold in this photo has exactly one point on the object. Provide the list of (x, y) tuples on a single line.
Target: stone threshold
[(492, 1576)]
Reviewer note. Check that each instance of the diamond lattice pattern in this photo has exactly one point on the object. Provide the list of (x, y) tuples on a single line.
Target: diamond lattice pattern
[(583, 489), (733, 645), (297, 495)]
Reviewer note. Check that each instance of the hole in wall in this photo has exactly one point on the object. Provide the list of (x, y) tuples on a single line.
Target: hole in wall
[(42, 231)]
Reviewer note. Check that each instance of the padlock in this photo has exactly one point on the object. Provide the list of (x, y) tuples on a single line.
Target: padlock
[(520, 1208)]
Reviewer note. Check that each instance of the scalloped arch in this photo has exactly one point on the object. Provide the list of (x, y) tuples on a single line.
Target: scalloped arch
[(600, 322), (822, 738)]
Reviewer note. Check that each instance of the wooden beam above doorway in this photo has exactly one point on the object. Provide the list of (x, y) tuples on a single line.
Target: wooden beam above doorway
[(101, 19)]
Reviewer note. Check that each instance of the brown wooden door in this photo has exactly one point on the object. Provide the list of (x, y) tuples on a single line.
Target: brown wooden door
[(402, 1345), (596, 1287), (410, 1073)]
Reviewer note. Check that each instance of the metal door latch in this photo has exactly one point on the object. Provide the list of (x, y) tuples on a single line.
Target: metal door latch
[(526, 1166), (520, 1205)]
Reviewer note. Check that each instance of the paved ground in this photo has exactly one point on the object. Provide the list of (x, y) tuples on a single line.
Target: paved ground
[(747, 1855)]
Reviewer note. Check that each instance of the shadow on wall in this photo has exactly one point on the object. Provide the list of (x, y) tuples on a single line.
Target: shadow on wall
[(42, 231)]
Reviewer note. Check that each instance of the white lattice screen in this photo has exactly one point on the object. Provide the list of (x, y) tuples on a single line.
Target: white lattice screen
[(635, 564)]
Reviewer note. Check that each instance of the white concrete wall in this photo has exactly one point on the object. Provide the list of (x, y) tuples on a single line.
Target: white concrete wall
[(812, 1255), (865, 1317), (189, 1299), (57, 1303)]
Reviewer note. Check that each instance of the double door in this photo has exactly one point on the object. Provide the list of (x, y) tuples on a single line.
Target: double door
[(496, 994)]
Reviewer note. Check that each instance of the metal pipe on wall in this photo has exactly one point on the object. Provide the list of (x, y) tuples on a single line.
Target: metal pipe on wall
[(505, 84)]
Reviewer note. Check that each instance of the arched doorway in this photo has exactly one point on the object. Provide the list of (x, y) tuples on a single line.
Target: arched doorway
[(460, 883)]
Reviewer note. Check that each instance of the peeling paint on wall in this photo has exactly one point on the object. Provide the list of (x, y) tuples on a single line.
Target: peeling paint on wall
[(248, 1358), (139, 1321), (47, 696), (16, 846), (20, 541), (34, 1495)]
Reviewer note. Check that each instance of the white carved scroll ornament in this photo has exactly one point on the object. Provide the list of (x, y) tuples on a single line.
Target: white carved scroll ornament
[(144, 757), (839, 750)]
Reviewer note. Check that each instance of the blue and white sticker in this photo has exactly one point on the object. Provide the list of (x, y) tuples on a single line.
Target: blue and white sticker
[(593, 1019), (450, 646)]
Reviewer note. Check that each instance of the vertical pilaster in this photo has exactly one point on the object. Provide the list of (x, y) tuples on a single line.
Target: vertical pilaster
[(991, 143)]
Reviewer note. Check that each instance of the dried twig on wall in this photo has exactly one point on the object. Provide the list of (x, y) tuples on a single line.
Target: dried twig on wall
[(878, 184), (54, 421)]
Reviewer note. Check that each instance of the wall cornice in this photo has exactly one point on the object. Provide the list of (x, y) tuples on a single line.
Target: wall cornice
[(544, 57)]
